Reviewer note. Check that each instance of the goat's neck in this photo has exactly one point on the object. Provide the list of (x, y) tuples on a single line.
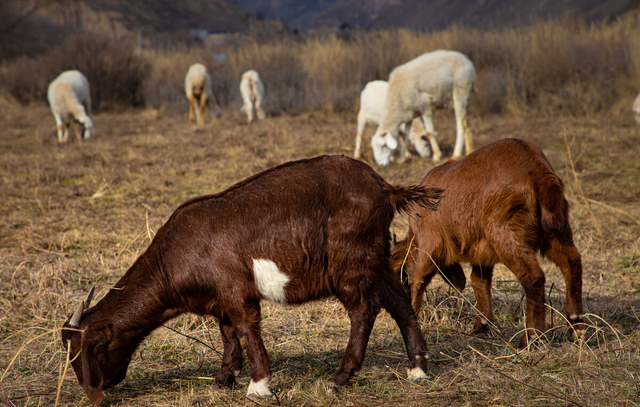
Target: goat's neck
[(137, 304)]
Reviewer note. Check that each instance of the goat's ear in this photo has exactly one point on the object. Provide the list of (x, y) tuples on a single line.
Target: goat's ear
[(94, 343)]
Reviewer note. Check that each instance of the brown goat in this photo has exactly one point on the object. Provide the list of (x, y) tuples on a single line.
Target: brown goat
[(502, 203), (294, 233)]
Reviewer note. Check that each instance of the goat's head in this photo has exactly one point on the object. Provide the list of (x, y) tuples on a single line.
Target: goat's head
[(96, 357), (383, 145)]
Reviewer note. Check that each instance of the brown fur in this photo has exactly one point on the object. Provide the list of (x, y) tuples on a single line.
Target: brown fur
[(323, 221), (501, 204)]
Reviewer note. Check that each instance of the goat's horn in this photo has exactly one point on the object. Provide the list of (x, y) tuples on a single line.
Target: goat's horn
[(87, 300), (77, 316)]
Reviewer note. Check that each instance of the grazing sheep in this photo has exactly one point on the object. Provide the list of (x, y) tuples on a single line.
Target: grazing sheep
[(294, 233), (501, 204), (636, 108), (433, 80), (372, 100), (252, 91), (197, 86), (70, 100)]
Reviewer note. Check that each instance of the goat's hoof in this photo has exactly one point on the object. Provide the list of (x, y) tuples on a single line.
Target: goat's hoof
[(416, 375), (333, 388)]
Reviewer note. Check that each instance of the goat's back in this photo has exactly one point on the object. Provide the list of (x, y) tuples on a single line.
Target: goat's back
[(505, 192), (317, 219)]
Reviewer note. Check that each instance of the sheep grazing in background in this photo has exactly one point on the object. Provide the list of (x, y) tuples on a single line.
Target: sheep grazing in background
[(294, 233), (636, 109), (372, 100), (252, 91), (70, 100), (501, 204), (197, 87), (433, 80)]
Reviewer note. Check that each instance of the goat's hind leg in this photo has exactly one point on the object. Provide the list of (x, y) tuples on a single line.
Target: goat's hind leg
[(245, 318), (232, 356), (363, 308), (395, 299), (564, 254)]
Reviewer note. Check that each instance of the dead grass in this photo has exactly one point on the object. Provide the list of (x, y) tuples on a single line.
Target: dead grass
[(79, 214)]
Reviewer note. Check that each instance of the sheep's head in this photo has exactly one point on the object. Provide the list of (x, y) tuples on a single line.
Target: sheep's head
[(383, 145), (87, 127), (96, 357)]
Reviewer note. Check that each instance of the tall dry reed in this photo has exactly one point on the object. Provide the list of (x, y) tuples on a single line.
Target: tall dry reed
[(555, 67)]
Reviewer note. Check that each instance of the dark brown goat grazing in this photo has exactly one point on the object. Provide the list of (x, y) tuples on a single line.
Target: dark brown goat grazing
[(502, 203), (291, 234)]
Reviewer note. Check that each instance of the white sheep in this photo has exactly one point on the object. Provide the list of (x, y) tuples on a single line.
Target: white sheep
[(197, 86), (372, 100), (636, 108), (432, 80), (70, 100), (252, 91)]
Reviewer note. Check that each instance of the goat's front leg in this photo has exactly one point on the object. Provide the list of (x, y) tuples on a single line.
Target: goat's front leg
[(526, 268), (481, 282), (232, 356), (362, 315), (246, 323)]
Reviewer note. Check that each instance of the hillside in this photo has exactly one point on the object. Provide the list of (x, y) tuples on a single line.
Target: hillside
[(429, 14), (33, 27)]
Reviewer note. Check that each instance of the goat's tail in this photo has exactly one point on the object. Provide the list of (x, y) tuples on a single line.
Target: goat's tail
[(403, 197), (554, 208)]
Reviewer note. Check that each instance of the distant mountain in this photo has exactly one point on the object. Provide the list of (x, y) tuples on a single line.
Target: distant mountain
[(429, 14), (33, 27), (159, 15)]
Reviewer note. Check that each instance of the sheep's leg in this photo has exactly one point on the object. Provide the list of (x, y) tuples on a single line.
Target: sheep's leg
[(565, 255), (232, 356), (362, 122), (463, 132), (203, 105), (405, 143), (419, 139), (427, 122), (60, 127), (259, 109), (246, 323), (362, 314), (526, 268), (481, 282), (192, 102), (248, 109), (395, 299)]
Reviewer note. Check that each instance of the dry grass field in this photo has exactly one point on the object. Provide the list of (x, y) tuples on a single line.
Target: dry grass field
[(77, 215)]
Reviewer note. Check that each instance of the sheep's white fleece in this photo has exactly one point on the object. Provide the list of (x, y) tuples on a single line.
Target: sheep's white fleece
[(70, 100), (433, 80), (372, 100), (197, 87), (252, 91), (636, 108)]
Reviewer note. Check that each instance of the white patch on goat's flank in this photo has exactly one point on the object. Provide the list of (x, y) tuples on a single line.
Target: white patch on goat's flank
[(259, 388), (416, 374), (270, 281)]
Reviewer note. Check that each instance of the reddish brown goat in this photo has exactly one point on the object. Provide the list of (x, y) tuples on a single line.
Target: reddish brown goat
[(294, 233), (502, 203)]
